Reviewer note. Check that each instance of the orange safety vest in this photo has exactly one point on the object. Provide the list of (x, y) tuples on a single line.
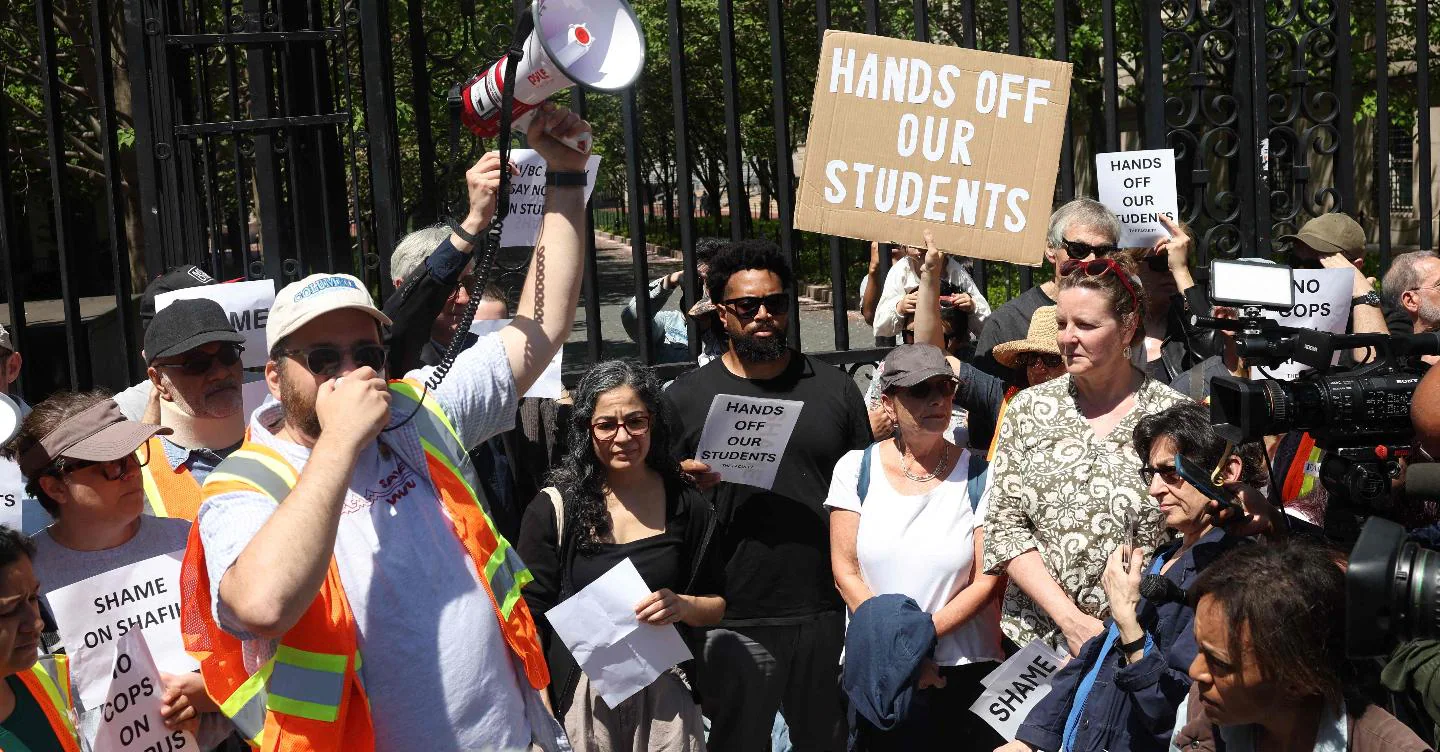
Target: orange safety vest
[(1304, 470), (48, 681), (310, 696), (1010, 392), (169, 491)]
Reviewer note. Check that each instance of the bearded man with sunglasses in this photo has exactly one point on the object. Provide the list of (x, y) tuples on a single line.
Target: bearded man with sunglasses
[(779, 643), (193, 357), (345, 586)]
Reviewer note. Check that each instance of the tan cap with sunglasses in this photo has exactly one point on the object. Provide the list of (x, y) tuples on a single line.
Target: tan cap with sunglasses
[(1043, 338), (99, 433), (301, 302)]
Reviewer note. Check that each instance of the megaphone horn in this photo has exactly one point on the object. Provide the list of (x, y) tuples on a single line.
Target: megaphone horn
[(597, 44)]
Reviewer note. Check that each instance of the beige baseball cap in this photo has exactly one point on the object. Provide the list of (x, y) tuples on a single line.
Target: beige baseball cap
[(301, 302)]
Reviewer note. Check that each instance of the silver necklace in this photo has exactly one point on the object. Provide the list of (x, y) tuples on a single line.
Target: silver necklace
[(944, 458)]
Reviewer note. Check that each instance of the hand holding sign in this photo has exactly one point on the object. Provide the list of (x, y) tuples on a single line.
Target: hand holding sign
[(744, 438), (1139, 186)]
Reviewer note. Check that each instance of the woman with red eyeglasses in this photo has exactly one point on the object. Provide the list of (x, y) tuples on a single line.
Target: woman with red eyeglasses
[(1064, 483), (82, 460), (619, 494)]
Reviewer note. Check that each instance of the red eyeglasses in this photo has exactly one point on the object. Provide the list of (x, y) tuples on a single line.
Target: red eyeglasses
[(1097, 268)]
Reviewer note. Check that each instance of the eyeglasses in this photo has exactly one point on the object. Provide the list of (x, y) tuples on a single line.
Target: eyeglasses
[(748, 307), (325, 360), (1079, 251), (1098, 268), (1434, 286), (200, 363), (925, 389), (1167, 473), (1027, 360), (111, 469), (606, 429)]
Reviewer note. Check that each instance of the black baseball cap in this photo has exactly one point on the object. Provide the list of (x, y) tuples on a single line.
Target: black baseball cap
[(185, 325), (908, 365), (179, 278)]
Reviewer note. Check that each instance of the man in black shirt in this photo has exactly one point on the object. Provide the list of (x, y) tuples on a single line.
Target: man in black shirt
[(779, 645)]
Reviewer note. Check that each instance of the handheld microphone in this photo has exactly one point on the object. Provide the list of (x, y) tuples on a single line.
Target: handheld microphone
[(1157, 588)]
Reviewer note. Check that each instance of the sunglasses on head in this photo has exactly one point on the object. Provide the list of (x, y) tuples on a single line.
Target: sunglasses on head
[(748, 307), (1098, 268), (1026, 360), (199, 363), (1079, 251), (325, 360)]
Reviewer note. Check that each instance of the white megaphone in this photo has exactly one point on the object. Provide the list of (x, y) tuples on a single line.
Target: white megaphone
[(597, 44)]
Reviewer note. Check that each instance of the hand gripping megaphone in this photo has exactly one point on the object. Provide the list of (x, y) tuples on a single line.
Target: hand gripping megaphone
[(597, 44)]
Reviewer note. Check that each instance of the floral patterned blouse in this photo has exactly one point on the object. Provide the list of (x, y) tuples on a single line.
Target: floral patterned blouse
[(1059, 489)]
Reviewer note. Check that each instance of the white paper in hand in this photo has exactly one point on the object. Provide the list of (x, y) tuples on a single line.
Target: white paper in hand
[(1139, 186), (548, 386), (619, 654), (744, 438), (130, 719), (1015, 687), (527, 197)]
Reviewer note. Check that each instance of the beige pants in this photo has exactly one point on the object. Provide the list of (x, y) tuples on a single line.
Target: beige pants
[(663, 717)]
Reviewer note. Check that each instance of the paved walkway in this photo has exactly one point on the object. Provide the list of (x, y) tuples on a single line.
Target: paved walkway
[(617, 285)]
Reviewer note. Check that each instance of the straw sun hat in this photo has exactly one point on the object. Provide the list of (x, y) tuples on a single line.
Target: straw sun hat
[(1040, 339)]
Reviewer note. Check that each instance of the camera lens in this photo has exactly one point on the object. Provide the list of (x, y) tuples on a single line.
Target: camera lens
[(1392, 591)]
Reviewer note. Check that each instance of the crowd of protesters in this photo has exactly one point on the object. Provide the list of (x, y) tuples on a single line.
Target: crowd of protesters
[(371, 554)]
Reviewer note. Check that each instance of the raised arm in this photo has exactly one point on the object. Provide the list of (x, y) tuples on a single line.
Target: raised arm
[(927, 303), (546, 312)]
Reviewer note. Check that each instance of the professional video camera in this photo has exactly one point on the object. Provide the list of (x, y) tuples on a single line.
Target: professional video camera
[(1361, 417)]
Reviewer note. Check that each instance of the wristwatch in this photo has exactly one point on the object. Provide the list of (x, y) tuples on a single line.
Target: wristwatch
[(1130, 647), (556, 177), (1369, 298)]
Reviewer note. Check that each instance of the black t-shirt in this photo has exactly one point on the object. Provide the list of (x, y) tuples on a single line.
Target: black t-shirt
[(778, 541), (659, 559), (1008, 323)]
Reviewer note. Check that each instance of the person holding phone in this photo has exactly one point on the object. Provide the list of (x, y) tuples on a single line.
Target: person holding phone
[(1122, 689)]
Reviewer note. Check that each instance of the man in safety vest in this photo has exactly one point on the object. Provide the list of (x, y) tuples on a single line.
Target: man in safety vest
[(193, 353), (345, 544)]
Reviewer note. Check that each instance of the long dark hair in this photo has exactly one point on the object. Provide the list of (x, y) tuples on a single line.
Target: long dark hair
[(581, 477)]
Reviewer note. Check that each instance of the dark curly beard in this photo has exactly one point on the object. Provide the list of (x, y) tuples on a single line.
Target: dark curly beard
[(760, 350)]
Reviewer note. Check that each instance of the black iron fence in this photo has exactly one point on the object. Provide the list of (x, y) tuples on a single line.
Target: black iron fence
[(269, 139)]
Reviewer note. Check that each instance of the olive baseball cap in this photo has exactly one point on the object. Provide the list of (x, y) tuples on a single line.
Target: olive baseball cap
[(1331, 233), (908, 365)]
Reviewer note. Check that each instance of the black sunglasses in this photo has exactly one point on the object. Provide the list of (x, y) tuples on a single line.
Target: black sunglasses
[(1079, 251), (1168, 472), (924, 389), (749, 307), (111, 469), (199, 364), (1025, 360), (325, 360)]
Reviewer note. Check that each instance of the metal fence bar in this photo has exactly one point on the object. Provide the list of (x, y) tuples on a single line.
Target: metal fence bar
[(734, 166), (80, 376), (1066, 182), (141, 101), (922, 20), (594, 342), (1382, 128), (1153, 101), (1345, 98), (383, 140), (873, 25), (1110, 71), (784, 164), (840, 318), (1017, 47), (1426, 206), (114, 200), (967, 17), (426, 210), (685, 197), (630, 123), (13, 295)]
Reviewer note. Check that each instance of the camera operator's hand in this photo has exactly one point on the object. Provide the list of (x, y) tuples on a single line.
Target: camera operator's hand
[(552, 123), (1255, 516)]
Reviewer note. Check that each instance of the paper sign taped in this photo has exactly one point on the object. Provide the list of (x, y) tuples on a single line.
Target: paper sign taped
[(94, 614), (130, 719), (246, 303), (548, 386), (907, 137), (620, 655), (18, 510), (1322, 303), (527, 197), (744, 438), (1139, 186), (1015, 687)]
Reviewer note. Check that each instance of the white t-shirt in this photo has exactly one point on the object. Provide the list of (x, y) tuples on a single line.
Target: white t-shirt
[(920, 546)]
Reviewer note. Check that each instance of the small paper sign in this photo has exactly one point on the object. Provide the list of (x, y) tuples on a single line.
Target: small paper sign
[(745, 437), (1139, 186), (1014, 688), (527, 197), (130, 718), (1322, 303)]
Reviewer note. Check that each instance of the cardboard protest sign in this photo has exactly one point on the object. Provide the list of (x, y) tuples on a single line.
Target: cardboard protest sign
[(1014, 688), (907, 137), (94, 614), (246, 303), (1322, 303), (130, 718), (1139, 186), (527, 196), (745, 437)]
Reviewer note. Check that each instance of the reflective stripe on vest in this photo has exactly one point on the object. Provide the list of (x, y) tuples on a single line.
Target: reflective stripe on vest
[(169, 492), (49, 683), (245, 707), (1304, 470)]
